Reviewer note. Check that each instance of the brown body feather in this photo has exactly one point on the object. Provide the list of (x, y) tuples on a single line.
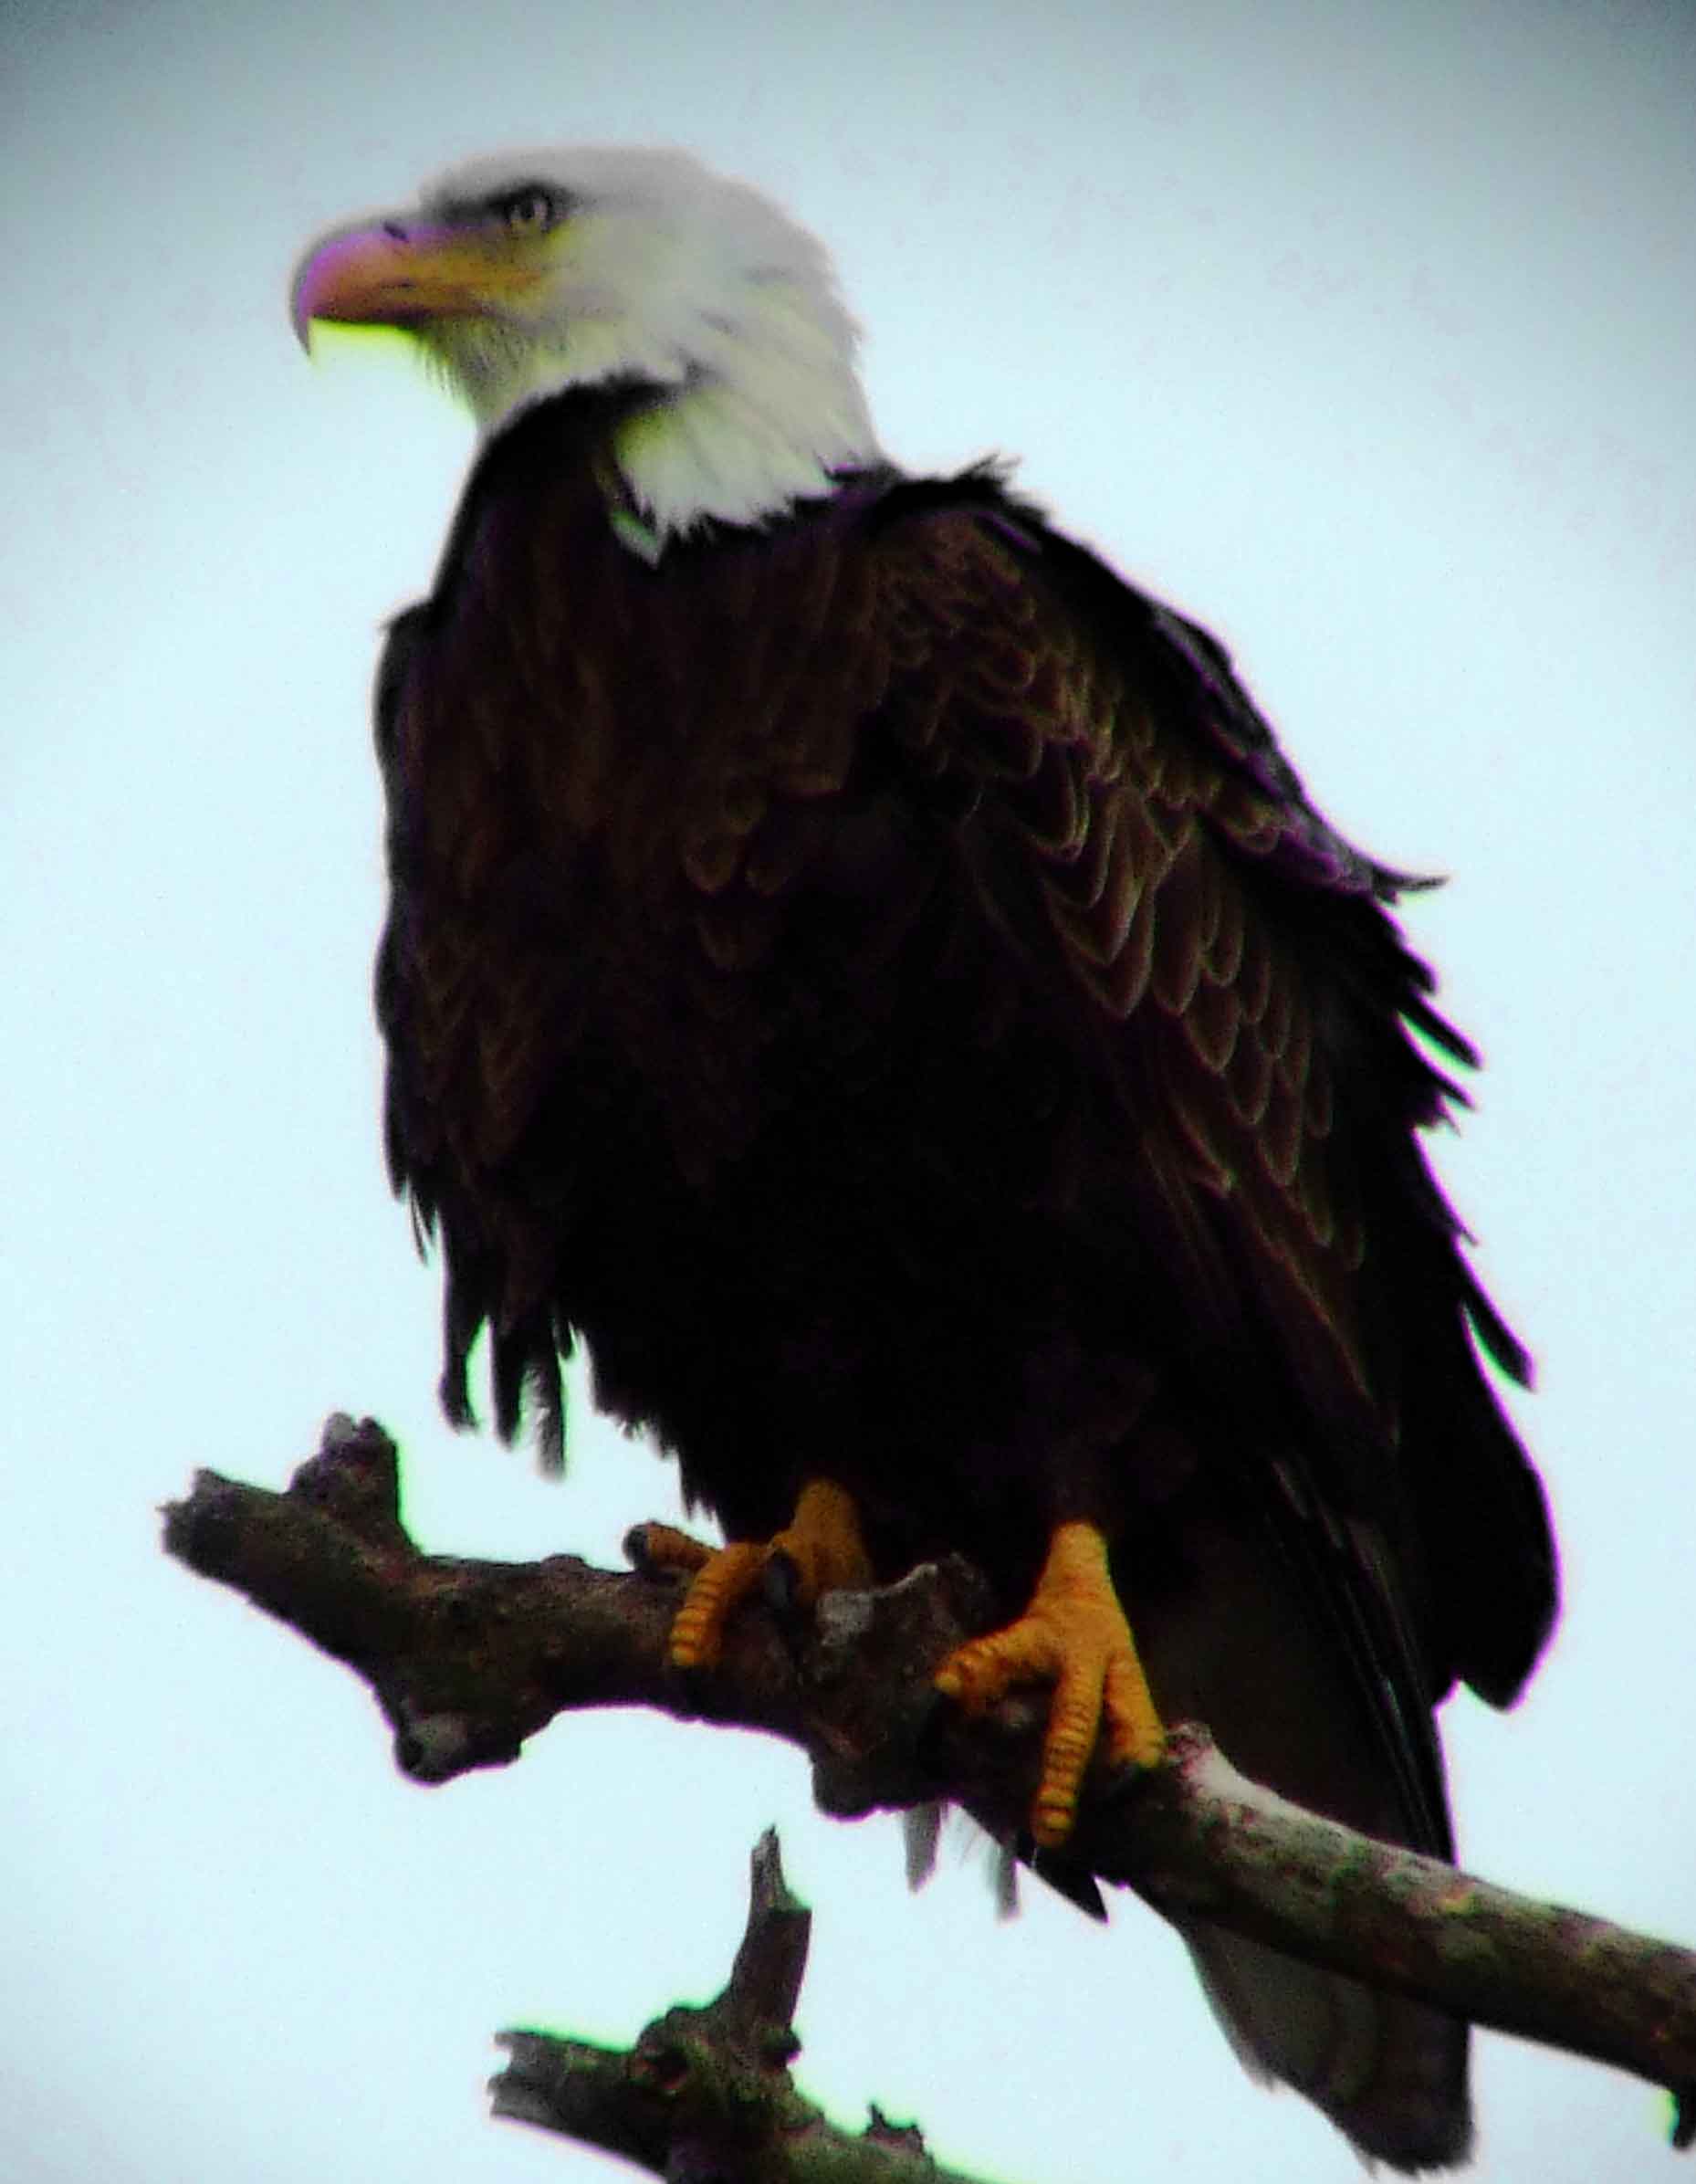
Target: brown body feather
[(875, 979)]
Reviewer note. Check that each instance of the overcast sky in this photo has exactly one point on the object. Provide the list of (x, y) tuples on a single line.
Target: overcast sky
[(1364, 333)]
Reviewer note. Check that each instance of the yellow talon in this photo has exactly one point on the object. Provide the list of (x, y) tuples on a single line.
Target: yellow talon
[(723, 1580), (1073, 1634), (663, 1546), (822, 1540)]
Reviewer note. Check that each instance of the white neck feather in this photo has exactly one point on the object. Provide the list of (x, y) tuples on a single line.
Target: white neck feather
[(762, 424)]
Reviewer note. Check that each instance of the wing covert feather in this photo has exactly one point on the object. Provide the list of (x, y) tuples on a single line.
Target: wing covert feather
[(1146, 862)]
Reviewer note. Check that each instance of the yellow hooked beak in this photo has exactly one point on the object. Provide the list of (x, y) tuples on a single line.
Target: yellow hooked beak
[(406, 274)]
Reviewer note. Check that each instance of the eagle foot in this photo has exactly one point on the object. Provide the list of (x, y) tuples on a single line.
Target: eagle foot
[(654, 1549), (1073, 1634), (820, 1550)]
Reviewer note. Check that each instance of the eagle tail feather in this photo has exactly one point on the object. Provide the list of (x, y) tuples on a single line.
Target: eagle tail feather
[(1389, 2073)]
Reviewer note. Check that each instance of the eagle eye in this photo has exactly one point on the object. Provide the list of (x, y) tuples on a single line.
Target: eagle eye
[(527, 211)]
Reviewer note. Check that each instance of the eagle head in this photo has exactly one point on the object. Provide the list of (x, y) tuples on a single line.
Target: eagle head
[(526, 275)]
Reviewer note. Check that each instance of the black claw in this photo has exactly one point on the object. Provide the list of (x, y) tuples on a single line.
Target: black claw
[(780, 1586), (1112, 1789), (1064, 1875), (689, 1687), (636, 1554), (927, 1715)]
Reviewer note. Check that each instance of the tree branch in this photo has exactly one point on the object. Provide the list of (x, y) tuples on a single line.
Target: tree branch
[(706, 2095), (468, 1659)]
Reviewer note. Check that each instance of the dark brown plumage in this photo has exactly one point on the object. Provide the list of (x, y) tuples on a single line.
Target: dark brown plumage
[(871, 976)]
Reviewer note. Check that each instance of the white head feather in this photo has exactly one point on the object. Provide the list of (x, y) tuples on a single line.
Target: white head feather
[(660, 272)]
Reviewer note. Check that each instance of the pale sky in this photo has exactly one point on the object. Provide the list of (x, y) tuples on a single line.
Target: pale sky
[(1362, 332)]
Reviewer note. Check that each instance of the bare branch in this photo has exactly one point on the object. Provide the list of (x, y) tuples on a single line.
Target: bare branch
[(468, 1659), (706, 2095)]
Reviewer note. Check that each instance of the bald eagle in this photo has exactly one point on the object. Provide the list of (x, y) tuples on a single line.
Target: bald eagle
[(871, 976)]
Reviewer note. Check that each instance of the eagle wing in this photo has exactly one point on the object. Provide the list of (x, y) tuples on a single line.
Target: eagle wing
[(1241, 990)]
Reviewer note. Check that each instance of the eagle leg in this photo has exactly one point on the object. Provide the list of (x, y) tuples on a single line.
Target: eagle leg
[(821, 1543), (1073, 1634)]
